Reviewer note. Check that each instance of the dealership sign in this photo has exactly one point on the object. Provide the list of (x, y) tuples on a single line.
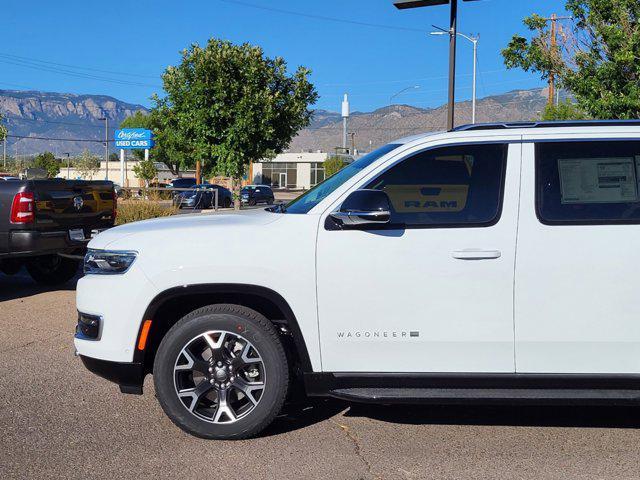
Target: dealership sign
[(133, 138)]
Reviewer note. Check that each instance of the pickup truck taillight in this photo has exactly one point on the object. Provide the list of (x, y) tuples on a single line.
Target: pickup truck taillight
[(22, 208)]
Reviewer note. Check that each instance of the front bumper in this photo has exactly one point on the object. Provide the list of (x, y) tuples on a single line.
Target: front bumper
[(129, 376)]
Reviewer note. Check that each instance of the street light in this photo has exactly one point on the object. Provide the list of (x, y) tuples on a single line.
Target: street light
[(413, 87), (105, 119), (403, 4), (473, 40)]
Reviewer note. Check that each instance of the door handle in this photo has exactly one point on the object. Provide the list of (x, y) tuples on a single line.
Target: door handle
[(475, 254)]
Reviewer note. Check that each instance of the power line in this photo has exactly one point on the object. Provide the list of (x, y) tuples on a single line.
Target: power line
[(78, 67), (38, 67), (323, 17), (58, 139)]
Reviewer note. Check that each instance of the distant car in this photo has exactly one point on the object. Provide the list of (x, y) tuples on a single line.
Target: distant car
[(255, 194), (203, 196), (182, 183)]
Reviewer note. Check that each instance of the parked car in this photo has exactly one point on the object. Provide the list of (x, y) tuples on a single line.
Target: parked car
[(203, 196), (395, 280), (182, 183), (255, 194), (45, 225)]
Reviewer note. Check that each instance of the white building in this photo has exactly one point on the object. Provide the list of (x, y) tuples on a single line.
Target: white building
[(298, 171)]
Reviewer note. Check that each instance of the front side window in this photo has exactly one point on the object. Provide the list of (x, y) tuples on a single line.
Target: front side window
[(450, 186), (588, 182)]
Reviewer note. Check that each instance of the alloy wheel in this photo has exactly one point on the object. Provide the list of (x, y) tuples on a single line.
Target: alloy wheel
[(219, 376)]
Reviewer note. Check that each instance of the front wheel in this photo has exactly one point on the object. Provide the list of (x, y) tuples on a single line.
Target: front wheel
[(221, 372), (52, 269)]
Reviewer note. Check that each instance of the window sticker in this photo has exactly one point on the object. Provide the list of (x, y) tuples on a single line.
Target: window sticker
[(598, 180)]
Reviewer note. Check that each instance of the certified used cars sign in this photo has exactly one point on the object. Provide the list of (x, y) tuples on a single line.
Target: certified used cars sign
[(132, 138)]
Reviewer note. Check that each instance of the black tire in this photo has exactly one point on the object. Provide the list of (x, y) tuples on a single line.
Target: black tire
[(230, 318), (253, 202), (52, 269), (227, 202)]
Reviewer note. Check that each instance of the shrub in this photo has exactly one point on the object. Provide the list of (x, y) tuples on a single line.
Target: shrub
[(136, 210)]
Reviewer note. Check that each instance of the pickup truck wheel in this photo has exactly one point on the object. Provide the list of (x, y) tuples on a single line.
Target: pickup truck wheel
[(52, 269), (221, 372)]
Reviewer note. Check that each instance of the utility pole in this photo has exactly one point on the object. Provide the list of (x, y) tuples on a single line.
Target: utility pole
[(68, 166), (105, 119), (4, 153), (353, 143), (553, 19)]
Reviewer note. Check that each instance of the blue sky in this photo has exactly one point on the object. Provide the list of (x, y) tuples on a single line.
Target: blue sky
[(126, 45)]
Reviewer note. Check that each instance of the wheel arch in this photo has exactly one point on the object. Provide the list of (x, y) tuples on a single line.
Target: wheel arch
[(170, 305)]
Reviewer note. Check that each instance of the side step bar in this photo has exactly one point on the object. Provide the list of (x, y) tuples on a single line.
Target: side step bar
[(488, 396)]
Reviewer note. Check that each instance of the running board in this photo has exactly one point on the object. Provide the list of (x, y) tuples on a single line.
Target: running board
[(488, 395)]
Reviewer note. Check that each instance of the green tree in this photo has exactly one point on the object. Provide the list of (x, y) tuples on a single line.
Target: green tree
[(229, 105), (565, 110), (333, 165), (146, 170), (47, 161), (597, 59), (87, 165)]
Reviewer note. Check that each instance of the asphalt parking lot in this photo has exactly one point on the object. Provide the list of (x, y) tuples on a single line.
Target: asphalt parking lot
[(59, 421)]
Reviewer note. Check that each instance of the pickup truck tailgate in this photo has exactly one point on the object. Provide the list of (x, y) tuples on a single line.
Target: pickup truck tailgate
[(73, 204)]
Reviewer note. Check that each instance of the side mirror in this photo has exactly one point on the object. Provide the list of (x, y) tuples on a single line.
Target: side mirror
[(364, 207)]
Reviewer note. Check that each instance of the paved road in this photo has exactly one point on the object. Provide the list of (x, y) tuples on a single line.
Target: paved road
[(59, 421)]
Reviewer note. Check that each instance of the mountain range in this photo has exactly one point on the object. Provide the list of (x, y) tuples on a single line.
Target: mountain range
[(69, 123)]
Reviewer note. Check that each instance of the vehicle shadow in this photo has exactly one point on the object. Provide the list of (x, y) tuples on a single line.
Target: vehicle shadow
[(503, 415), (304, 414), (21, 285)]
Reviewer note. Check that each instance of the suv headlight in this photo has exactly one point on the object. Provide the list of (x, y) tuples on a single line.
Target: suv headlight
[(108, 262)]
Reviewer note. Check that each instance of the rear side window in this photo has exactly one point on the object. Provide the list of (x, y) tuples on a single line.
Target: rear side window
[(588, 182), (450, 186)]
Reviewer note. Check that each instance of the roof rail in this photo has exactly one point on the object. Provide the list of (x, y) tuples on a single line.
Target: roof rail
[(541, 124)]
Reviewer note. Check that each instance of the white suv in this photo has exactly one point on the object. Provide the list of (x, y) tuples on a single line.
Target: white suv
[(490, 263)]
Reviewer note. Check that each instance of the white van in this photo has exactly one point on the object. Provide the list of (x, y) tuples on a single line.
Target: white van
[(493, 263)]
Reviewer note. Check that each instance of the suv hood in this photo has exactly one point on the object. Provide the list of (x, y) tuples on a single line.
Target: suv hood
[(183, 225)]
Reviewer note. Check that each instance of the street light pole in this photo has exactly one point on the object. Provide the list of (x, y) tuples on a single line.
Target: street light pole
[(403, 4), (401, 92), (68, 166), (474, 41), (452, 64)]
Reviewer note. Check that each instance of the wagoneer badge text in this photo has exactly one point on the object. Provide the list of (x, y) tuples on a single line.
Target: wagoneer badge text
[(383, 334)]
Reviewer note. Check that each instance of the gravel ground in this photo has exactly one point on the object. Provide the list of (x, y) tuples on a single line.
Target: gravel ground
[(59, 421)]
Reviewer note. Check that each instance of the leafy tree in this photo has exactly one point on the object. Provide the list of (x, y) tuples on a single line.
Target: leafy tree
[(333, 165), (565, 110), (87, 164), (47, 161), (146, 170), (228, 105), (597, 59)]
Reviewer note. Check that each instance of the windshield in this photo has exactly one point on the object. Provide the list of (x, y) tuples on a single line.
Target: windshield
[(307, 201)]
